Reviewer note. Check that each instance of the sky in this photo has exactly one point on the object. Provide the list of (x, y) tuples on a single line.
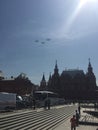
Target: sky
[(36, 33)]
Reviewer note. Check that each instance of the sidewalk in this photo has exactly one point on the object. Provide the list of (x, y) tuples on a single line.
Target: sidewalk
[(66, 125)]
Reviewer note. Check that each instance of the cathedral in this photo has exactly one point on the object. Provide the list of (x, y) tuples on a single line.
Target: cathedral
[(71, 83)]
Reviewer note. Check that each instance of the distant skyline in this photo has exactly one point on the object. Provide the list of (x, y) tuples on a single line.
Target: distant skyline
[(36, 33)]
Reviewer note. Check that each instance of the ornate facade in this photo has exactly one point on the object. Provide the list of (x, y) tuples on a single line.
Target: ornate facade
[(72, 84)]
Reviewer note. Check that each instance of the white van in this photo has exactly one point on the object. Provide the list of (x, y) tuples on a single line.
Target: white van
[(7, 101)]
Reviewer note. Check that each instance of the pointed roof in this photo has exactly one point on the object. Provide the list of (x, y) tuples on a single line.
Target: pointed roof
[(90, 69), (43, 78), (56, 68), (89, 63)]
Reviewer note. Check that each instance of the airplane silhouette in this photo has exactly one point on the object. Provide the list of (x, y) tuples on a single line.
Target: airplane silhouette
[(42, 42), (48, 39), (36, 40)]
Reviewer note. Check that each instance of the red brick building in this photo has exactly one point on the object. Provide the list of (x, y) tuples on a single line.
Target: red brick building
[(20, 85)]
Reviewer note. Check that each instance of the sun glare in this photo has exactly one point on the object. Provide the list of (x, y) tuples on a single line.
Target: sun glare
[(79, 8), (83, 2)]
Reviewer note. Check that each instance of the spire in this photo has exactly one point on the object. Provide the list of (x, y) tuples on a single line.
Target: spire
[(56, 65), (43, 83), (90, 69), (49, 82), (43, 78), (91, 79), (56, 68), (89, 62)]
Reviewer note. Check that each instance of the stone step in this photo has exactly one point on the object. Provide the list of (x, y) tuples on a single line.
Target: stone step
[(33, 120)]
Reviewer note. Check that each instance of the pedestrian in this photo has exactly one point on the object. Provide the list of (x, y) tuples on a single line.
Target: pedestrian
[(73, 123), (34, 103), (77, 118), (48, 103), (79, 109), (30, 101), (45, 104)]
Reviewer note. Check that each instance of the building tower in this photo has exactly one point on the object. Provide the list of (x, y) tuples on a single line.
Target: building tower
[(91, 79), (90, 69), (49, 82), (56, 69), (54, 80), (43, 83)]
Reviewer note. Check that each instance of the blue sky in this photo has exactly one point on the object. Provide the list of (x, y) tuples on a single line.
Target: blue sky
[(72, 26)]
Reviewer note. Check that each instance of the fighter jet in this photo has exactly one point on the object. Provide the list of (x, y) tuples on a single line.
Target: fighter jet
[(48, 39), (42, 42), (36, 40)]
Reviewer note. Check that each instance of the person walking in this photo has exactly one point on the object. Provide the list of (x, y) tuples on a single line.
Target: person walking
[(48, 103), (79, 109), (45, 104), (77, 118), (34, 103), (73, 123)]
